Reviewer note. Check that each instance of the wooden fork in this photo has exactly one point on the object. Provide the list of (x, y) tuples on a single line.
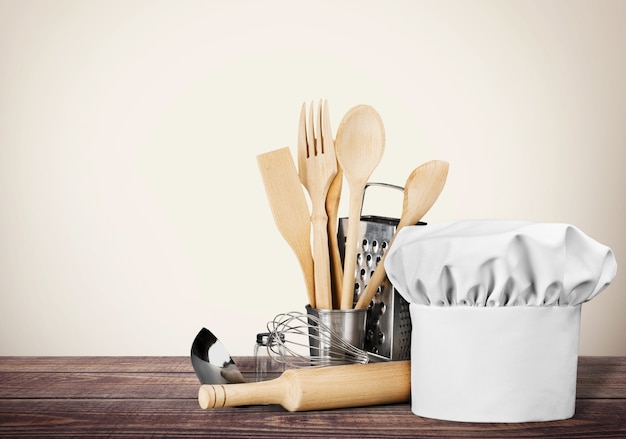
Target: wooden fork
[(317, 168)]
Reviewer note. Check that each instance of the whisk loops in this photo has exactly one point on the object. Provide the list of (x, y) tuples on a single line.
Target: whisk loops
[(302, 340)]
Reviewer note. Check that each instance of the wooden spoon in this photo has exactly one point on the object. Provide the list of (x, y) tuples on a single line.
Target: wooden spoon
[(421, 190), (289, 208), (360, 143)]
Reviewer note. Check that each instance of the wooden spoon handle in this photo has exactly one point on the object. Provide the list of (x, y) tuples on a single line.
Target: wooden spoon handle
[(352, 236)]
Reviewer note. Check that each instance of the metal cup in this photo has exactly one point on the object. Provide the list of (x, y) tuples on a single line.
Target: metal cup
[(337, 327)]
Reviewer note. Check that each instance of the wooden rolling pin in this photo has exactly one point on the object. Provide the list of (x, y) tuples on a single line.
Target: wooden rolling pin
[(318, 388)]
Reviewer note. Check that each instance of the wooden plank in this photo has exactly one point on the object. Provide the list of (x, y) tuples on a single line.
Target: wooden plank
[(96, 364), (587, 364), (156, 396), (108, 364), (601, 377), (182, 418), (94, 385), (40, 377)]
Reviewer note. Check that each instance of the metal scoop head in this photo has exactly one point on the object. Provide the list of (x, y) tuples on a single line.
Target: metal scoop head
[(212, 362)]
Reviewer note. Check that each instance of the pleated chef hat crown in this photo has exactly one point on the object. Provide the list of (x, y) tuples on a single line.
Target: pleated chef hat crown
[(498, 263)]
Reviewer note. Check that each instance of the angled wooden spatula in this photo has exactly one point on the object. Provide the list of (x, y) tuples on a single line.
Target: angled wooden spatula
[(289, 208)]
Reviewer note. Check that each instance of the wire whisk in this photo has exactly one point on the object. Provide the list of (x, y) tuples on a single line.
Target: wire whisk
[(302, 340)]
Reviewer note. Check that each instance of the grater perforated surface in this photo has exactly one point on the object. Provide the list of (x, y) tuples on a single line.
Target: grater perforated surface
[(388, 331)]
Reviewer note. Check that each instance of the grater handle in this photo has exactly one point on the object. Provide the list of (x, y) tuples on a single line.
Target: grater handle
[(387, 185)]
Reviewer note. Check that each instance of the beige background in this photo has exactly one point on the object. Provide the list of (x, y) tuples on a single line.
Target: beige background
[(132, 212)]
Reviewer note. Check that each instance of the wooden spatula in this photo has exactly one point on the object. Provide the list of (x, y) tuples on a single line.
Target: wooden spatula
[(289, 208)]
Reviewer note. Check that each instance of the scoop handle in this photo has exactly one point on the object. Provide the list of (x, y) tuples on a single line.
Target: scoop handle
[(318, 388)]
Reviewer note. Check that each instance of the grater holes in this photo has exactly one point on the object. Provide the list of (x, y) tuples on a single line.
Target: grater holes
[(365, 244), (388, 320)]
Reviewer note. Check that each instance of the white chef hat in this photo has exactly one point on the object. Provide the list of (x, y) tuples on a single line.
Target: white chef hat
[(495, 308)]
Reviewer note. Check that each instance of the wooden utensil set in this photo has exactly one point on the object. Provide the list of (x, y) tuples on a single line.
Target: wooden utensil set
[(322, 166)]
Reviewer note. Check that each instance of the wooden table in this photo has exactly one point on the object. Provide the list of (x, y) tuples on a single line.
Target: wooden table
[(157, 397)]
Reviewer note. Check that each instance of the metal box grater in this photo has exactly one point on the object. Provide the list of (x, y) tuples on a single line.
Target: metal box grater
[(388, 331)]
